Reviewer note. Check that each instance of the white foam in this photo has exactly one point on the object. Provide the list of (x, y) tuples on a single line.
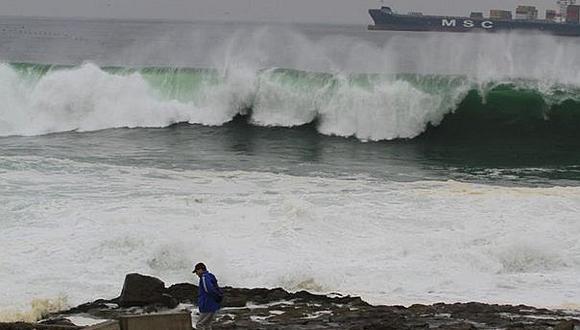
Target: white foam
[(84, 321), (396, 243), (38, 309), (87, 98), (386, 111)]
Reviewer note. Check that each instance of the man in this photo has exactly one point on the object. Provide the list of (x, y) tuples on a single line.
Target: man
[(209, 297)]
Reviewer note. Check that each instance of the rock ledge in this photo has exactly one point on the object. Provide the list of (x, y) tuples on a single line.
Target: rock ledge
[(280, 309)]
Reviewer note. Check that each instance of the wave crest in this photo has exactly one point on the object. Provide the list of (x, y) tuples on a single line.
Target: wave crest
[(45, 99)]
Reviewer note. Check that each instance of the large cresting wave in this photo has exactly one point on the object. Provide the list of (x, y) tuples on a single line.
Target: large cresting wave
[(41, 99)]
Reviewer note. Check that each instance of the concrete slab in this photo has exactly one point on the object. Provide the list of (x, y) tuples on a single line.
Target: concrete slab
[(169, 321)]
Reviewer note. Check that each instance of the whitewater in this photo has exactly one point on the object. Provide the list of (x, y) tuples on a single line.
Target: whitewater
[(401, 167)]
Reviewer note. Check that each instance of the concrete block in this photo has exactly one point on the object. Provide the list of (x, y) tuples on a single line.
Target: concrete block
[(109, 325), (173, 321)]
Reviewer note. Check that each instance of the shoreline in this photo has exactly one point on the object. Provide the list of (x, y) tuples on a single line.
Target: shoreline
[(279, 309)]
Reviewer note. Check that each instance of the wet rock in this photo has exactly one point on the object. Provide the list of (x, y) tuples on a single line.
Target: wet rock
[(261, 308), (57, 321), (234, 301), (459, 326), (183, 292), (99, 304), (141, 290), (256, 296)]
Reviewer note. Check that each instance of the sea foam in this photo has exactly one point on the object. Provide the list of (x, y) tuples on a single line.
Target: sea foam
[(390, 242)]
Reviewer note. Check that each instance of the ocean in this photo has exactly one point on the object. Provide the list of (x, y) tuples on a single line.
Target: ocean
[(401, 167)]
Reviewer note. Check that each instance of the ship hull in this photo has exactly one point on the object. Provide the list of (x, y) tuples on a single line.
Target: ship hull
[(396, 22)]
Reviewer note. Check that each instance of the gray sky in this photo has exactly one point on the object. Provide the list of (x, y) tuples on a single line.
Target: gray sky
[(323, 11)]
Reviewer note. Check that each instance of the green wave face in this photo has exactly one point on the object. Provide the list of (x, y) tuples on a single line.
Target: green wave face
[(367, 106), (509, 111)]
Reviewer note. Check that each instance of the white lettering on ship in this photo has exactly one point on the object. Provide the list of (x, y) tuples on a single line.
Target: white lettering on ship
[(487, 24), (445, 22)]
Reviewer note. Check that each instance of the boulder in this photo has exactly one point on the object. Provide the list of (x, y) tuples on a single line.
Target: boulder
[(141, 290), (183, 292)]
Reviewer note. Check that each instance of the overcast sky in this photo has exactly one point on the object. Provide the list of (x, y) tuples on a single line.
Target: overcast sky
[(289, 11)]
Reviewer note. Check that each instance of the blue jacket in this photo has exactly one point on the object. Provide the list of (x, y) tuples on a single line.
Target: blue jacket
[(208, 291)]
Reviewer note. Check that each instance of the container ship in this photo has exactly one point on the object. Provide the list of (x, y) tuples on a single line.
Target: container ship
[(566, 22)]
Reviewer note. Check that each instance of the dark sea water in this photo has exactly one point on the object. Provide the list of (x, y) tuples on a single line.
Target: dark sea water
[(443, 167), (303, 151)]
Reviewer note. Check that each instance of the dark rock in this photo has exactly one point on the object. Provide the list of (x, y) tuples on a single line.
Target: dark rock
[(234, 301), (459, 326), (278, 294), (183, 292), (141, 290), (305, 295), (279, 309), (421, 309), (57, 321), (100, 304), (168, 301), (258, 295), (354, 301), (567, 325)]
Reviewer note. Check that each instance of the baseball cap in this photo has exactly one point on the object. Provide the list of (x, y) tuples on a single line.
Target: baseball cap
[(199, 265)]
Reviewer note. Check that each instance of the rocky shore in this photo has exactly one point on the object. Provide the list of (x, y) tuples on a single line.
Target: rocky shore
[(279, 309)]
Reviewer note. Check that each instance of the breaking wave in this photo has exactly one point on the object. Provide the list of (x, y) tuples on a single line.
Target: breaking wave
[(41, 99)]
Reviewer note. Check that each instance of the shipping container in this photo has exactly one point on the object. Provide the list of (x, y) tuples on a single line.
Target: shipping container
[(500, 14), (564, 5), (551, 15), (476, 15), (526, 12), (573, 14)]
